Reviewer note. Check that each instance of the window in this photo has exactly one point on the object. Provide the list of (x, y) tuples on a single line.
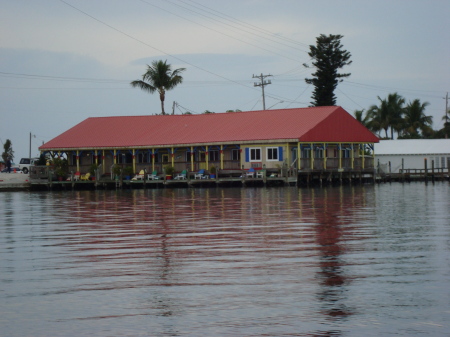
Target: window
[(72, 158), (143, 157), (318, 153), (272, 154), (345, 153), (235, 154), (124, 158), (255, 154), (214, 155), (306, 153)]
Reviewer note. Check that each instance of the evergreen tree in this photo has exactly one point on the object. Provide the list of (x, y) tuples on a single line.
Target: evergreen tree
[(7, 151), (328, 57)]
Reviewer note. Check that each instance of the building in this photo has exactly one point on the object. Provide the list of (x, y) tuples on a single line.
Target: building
[(409, 154), (308, 139)]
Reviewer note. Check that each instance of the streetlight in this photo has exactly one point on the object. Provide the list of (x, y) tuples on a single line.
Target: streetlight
[(275, 104)]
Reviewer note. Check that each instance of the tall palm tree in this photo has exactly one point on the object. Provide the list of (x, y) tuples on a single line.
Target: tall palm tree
[(159, 77), (388, 115), (416, 119), (359, 117), (377, 118), (395, 112)]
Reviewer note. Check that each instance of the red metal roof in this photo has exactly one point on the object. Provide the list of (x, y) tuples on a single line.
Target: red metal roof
[(316, 124)]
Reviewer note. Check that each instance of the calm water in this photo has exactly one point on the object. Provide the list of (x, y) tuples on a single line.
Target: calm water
[(334, 261)]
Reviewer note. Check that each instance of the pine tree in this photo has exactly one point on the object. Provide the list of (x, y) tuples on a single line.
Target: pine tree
[(328, 57)]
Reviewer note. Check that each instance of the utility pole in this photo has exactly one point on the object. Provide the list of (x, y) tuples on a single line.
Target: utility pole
[(446, 113), (262, 84), (446, 108), (29, 153), (173, 107)]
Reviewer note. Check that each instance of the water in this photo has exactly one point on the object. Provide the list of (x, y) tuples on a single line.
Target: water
[(335, 261)]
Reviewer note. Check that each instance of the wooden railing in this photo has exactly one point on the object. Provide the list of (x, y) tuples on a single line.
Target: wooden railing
[(333, 163)]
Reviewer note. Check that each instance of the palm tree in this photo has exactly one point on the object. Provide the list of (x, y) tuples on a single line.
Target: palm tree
[(395, 112), (159, 77), (416, 119), (377, 118), (389, 114), (359, 117)]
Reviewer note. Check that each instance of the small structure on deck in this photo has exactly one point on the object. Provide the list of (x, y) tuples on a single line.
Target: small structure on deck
[(288, 145)]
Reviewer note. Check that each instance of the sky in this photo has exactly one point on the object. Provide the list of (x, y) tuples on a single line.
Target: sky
[(62, 61)]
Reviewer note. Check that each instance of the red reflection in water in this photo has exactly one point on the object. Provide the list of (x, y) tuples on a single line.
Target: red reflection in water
[(172, 237)]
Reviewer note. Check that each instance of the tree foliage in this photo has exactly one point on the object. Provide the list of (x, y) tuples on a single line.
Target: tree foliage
[(328, 57), (8, 152), (159, 77), (408, 121), (415, 119)]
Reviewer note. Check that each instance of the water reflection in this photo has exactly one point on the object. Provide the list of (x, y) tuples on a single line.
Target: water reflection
[(239, 261)]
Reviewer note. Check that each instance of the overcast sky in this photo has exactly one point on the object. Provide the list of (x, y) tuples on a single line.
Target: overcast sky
[(62, 61)]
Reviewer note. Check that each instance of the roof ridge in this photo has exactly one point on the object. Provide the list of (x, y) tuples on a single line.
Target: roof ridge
[(221, 113)]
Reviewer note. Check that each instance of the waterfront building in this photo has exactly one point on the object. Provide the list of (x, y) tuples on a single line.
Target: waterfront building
[(298, 139), (394, 156)]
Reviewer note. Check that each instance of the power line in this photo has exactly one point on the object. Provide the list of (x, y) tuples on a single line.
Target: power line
[(150, 46), (243, 27), (245, 24), (219, 32)]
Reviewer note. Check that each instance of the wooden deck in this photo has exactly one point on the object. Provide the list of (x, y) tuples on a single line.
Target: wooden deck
[(224, 179), (43, 180)]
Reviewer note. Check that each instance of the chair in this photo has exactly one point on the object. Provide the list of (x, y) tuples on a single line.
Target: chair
[(259, 174), (153, 176), (85, 176), (200, 175), (139, 176), (250, 173), (76, 176), (181, 176)]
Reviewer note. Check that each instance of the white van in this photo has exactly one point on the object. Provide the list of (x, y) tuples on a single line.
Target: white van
[(25, 164)]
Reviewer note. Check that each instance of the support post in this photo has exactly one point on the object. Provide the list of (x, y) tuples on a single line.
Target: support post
[(192, 158), (353, 157), (103, 162), (153, 160), (221, 158), (172, 154), (426, 169), (207, 157)]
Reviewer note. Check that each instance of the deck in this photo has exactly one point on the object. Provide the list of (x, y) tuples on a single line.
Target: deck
[(283, 177)]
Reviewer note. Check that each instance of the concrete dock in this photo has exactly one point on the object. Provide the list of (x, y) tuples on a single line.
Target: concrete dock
[(12, 181)]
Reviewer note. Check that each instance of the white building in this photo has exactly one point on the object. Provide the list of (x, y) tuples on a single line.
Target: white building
[(391, 155)]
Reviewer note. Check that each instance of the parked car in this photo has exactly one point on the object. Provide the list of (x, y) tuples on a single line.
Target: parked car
[(25, 164), (18, 170)]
